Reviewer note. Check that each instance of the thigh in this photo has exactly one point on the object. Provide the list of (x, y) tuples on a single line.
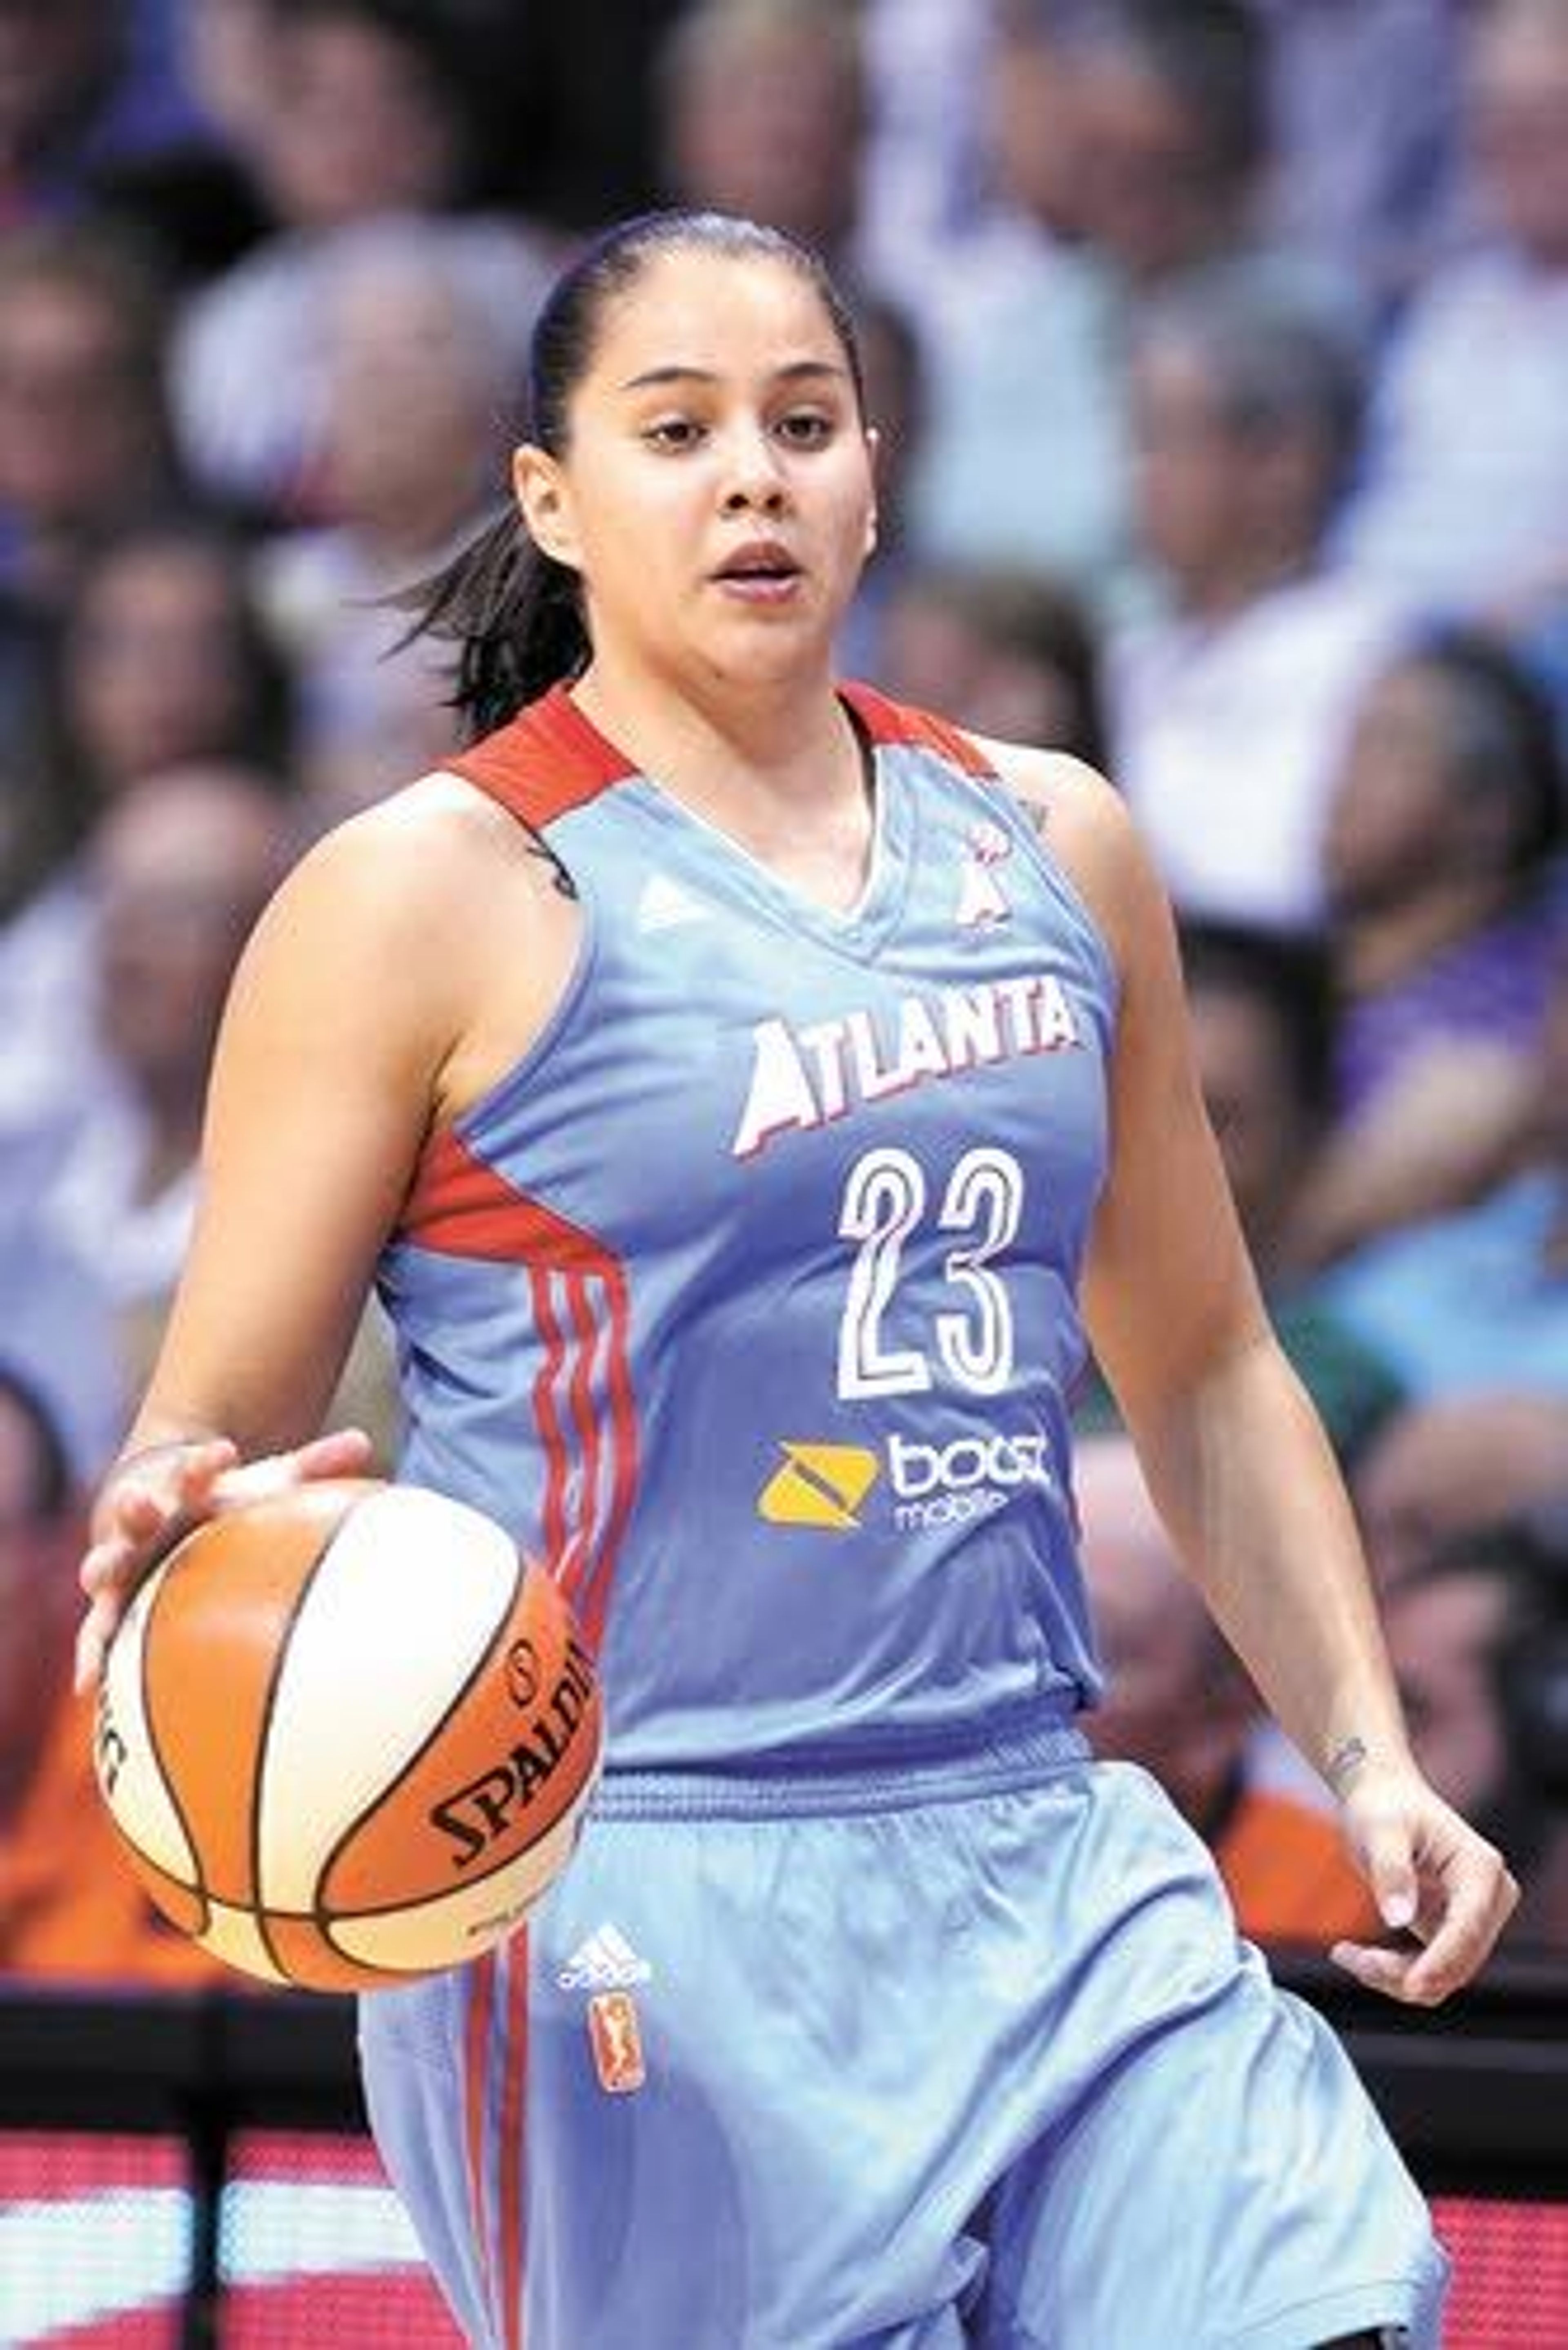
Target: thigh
[(701, 2102), (1225, 2183)]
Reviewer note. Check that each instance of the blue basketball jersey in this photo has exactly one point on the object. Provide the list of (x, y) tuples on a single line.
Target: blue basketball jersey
[(747, 1299)]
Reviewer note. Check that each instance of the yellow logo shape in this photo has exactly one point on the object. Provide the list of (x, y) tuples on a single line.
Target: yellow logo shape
[(818, 1485)]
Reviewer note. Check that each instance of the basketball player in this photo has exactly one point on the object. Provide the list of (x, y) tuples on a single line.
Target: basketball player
[(734, 1082)]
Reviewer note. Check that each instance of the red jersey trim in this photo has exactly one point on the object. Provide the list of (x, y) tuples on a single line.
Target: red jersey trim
[(459, 1206), (551, 759), (544, 763), (584, 1407), (895, 721), (513, 2180), (475, 2081)]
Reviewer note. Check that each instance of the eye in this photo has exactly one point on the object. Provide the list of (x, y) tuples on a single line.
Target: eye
[(806, 428), (672, 434)]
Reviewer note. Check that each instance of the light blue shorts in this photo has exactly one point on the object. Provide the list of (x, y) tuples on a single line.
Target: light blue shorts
[(966, 2053)]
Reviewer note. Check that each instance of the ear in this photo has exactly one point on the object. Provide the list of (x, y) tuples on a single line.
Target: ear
[(544, 502)]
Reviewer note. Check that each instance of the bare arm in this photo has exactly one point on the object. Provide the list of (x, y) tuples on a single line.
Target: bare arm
[(1235, 1457), (350, 1009)]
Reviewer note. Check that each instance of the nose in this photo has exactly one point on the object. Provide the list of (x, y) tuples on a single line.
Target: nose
[(756, 481)]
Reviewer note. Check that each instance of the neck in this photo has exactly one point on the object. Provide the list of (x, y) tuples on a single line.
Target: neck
[(1219, 595), (735, 744)]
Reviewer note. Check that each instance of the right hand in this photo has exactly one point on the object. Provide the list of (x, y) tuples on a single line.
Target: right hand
[(153, 1497)]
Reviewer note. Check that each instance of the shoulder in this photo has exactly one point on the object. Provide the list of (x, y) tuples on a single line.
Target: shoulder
[(1087, 826), (398, 916), (407, 856)]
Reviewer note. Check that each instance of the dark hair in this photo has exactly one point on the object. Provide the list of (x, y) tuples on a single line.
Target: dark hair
[(49, 1484), (1213, 58), (514, 613), (1501, 734), (1289, 977)]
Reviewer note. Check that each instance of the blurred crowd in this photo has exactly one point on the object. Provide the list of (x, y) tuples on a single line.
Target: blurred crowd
[(1218, 351)]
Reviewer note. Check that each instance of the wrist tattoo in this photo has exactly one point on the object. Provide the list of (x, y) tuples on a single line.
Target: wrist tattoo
[(1343, 1763)]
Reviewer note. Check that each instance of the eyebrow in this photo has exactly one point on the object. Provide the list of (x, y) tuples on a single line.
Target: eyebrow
[(796, 372)]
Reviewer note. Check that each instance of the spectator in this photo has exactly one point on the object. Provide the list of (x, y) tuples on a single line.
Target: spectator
[(84, 438), (101, 1171), (1010, 653), (922, 189), (1463, 502), (164, 660), (1363, 111), (1179, 1703), (1480, 1298), (1439, 1470), (1130, 152), (1479, 1639), (84, 88), (1262, 1030), (1230, 709), (763, 109), (68, 1902), (1024, 461), (1440, 853), (418, 386), (370, 119)]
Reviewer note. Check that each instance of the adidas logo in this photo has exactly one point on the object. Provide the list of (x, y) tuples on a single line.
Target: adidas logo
[(664, 904), (606, 1961)]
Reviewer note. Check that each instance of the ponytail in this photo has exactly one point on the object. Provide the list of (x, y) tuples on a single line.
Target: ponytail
[(513, 614)]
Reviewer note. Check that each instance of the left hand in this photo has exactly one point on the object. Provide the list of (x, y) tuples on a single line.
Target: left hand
[(1433, 1877)]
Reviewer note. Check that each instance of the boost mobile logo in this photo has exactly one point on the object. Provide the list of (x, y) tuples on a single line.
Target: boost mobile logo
[(929, 1485), (818, 1485)]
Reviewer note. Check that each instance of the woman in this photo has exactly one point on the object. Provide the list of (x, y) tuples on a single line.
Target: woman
[(733, 1229)]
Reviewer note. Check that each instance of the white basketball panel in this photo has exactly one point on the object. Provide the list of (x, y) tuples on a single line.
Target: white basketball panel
[(402, 1606)]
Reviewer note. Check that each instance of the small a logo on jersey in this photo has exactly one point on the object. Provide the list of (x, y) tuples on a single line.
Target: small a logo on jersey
[(606, 1961), (982, 902), (665, 905), (615, 2037), (818, 1485)]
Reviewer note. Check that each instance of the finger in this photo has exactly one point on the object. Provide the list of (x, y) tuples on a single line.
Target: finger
[(342, 1452), (93, 1637), (1391, 1873), (345, 1453), (1479, 1904), (1377, 1967)]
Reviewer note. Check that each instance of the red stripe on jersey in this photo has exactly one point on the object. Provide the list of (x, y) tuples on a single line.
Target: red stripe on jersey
[(544, 763), (461, 1206), (588, 1588), (547, 1416), (586, 1420), (894, 722), (513, 2099), (475, 2075)]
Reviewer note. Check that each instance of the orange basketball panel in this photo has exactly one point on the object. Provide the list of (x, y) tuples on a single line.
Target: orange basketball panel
[(217, 1632)]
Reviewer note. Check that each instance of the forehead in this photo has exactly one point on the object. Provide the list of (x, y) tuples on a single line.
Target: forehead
[(725, 314)]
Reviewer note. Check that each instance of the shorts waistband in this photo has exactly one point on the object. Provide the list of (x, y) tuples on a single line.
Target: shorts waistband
[(945, 1769)]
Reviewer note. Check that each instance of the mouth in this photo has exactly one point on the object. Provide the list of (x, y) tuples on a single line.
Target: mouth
[(764, 570)]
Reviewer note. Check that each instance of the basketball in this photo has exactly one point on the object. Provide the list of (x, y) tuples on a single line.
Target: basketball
[(347, 1734)]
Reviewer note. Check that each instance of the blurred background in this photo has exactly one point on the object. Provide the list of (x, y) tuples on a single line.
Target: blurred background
[(1219, 350)]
